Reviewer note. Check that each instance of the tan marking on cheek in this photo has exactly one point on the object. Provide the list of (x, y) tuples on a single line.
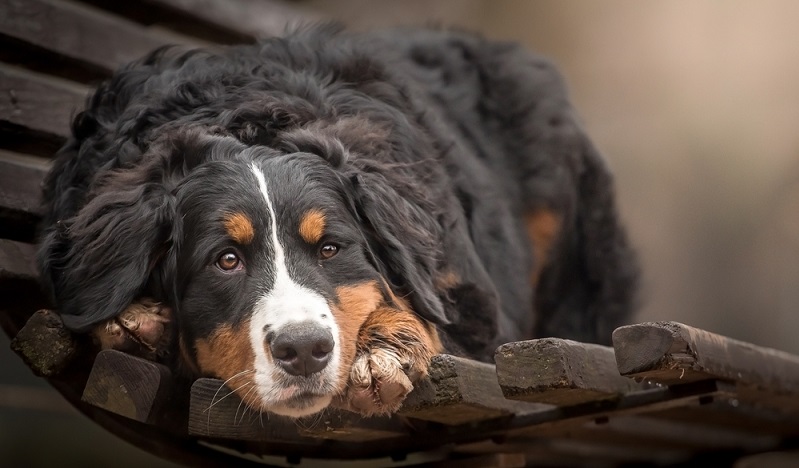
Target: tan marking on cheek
[(355, 303), (543, 227), (226, 353), (239, 227), (312, 226)]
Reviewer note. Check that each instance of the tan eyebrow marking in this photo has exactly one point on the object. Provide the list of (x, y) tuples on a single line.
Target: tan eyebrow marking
[(240, 228), (312, 226)]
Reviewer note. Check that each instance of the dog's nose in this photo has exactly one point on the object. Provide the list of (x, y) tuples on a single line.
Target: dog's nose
[(301, 348)]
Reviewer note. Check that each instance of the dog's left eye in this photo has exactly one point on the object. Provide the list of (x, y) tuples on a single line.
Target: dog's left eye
[(228, 261), (328, 251)]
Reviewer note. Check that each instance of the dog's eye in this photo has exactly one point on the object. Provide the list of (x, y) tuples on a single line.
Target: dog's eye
[(228, 261), (328, 251)]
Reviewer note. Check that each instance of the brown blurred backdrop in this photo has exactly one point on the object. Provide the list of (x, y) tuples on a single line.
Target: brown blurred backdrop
[(696, 105)]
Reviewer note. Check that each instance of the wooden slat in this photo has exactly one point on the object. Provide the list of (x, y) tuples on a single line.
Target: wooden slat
[(45, 345), (253, 18), (38, 102), (459, 391), (217, 412), (672, 353), (733, 414), (559, 372), (777, 459), (20, 182), (17, 261), (86, 35), (128, 386)]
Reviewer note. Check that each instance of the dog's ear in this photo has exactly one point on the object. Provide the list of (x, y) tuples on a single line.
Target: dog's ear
[(99, 259), (404, 241)]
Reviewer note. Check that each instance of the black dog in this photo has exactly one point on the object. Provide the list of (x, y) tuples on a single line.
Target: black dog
[(313, 217)]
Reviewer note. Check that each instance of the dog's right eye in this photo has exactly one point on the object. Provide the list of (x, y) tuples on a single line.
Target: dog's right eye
[(228, 261)]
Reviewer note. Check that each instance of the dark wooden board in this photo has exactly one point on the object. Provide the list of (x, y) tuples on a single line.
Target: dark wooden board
[(89, 37), (559, 372), (42, 104), (20, 182), (672, 353), (459, 391), (17, 261), (249, 18), (44, 344), (128, 386)]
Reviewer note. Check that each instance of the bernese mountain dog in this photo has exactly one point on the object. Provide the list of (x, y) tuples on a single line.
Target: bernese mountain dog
[(313, 217)]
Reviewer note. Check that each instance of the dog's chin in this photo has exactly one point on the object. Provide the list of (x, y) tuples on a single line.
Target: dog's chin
[(299, 405)]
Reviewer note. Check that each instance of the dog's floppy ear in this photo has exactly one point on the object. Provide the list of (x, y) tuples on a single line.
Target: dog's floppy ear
[(403, 238), (100, 259)]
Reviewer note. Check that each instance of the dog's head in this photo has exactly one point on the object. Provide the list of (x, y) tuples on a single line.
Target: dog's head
[(271, 258)]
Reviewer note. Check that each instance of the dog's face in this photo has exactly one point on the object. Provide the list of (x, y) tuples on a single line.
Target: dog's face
[(274, 278)]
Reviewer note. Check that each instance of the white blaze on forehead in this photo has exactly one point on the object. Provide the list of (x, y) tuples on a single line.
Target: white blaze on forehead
[(285, 303)]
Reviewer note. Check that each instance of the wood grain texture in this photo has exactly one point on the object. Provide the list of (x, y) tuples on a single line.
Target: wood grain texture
[(88, 36), (37, 102), (128, 386), (559, 372), (20, 182), (249, 18), (17, 261), (673, 353), (45, 345), (459, 391)]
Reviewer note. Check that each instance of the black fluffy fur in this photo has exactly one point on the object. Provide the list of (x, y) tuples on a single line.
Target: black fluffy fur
[(443, 141)]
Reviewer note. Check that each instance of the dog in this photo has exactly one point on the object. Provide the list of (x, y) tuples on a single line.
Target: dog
[(313, 217)]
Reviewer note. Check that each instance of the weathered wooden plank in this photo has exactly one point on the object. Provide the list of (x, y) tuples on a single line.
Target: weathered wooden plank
[(459, 391), (559, 372), (38, 102), (45, 345), (253, 18), (128, 386), (86, 35), (780, 459), (672, 353), (217, 412), (733, 414), (20, 182), (17, 260)]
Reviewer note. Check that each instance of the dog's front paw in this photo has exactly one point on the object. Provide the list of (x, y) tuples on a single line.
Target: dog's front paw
[(394, 351), (142, 329)]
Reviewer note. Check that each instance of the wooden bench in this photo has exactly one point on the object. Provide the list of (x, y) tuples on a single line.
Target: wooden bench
[(664, 393)]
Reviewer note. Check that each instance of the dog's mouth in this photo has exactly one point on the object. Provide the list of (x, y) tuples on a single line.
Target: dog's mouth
[(293, 397)]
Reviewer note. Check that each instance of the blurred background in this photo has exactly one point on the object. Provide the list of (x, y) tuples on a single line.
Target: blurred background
[(695, 105)]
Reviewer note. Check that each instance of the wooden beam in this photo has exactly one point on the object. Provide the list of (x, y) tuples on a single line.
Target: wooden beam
[(559, 372), (672, 353), (249, 18), (80, 33), (20, 183), (38, 102), (459, 391), (17, 261), (45, 345), (128, 386)]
